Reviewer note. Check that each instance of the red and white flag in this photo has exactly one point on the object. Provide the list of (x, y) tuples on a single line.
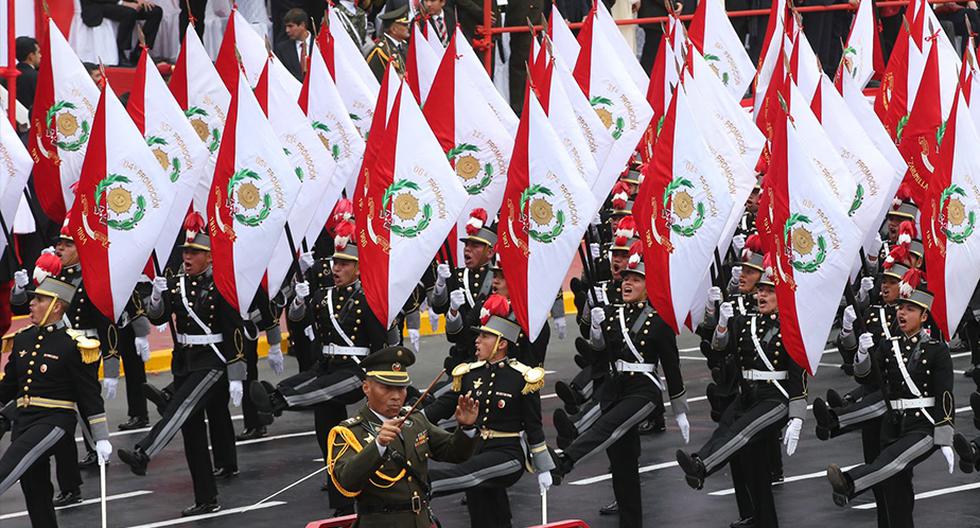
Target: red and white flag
[(804, 68), (547, 208), (485, 88), (241, 44), (14, 173), (562, 38), (772, 47), (123, 201), (918, 137), (714, 36), (61, 123), (175, 144), (347, 59), (599, 140), (357, 95), (253, 190), (605, 25), (862, 57), (421, 64), (863, 111), (410, 203)]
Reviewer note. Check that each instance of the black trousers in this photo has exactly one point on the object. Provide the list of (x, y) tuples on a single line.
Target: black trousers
[(27, 460), (755, 475), (624, 456), (249, 413), (66, 470), (742, 423), (92, 15), (221, 430), (125, 340), (195, 392), (651, 45), (300, 345), (484, 477), (197, 8), (322, 384)]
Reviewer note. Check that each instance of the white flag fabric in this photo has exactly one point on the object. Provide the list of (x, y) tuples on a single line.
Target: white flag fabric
[(859, 53), (770, 52), (15, 170), (426, 63), (714, 36), (484, 85), (599, 140), (864, 114), (562, 38), (253, 53), (347, 72), (565, 123), (349, 55), (605, 25)]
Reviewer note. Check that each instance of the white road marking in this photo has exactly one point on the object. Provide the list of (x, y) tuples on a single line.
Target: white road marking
[(787, 480), (927, 494), (145, 430), (85, 502), (220, 513), (608, 476)]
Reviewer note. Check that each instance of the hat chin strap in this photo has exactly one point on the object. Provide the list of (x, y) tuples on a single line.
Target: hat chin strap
[(496, 348), (47, 313)]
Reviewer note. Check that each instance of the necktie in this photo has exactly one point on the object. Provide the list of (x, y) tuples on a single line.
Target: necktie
[(441, 29), (302, 56)]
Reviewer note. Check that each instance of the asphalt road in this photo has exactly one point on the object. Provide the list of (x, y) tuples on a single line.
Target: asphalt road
[(290, 453)]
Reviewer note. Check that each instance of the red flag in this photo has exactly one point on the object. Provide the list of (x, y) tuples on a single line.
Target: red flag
[(918, 138)]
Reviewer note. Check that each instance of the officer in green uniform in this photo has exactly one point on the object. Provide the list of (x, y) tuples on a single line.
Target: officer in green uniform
[(380, 457), (393, 44)]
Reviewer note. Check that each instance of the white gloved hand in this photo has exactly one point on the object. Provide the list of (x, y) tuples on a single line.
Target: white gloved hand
[(714, 295), (867, 284), (792, 435), (847, 320), (736, 273), (306, 261), (457, 298), (442, 273), (143, 348), (109, 385), (878, 243), (685, 427), (159, 286), (594, 250), (275, 358), (433, 320), (598, 316), (560, 327), (161, 328), (302, 290), (236, 391), (725, 313), (21, 279), (948, 453), (544, 481), (738, 242), (104, 449), (865, 342), (414, 336)]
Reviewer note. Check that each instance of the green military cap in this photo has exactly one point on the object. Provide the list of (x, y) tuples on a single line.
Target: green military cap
[(399, 14), (389, 366)]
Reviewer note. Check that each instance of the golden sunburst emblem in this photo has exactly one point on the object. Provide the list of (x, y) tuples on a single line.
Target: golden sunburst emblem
[(467, 167), (162, 158), (119, 200), (802, 241), (956, 212), (541, 211), (248, 195), (201, 128), (605, 116), (406, 206), (325, 141), (67, 124), (683, 205)]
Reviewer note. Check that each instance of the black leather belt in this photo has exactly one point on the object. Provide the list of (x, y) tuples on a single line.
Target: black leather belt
[(415, 505)]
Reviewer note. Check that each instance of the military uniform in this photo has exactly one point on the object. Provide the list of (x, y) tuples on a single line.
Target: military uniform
[(263, 317)]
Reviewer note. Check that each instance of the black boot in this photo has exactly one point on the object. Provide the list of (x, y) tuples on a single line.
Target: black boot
[(135, 459), (252, 434), (201, 509), (569, 396), (65, 498), (225, 472), (652, 426), (159, 398), (610, 509), (694, 471), (563, 466), (825, 419), (134, 422), (967, 452), (843, 487), (834, 399), (564, 425), (91, 460)]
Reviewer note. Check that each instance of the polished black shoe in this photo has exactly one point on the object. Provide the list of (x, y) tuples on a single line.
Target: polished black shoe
[(159, 398), (825, 418), (567, 394), (200, 509), (834, 399), (564, 425), (843, 488), (68, 497), (648, 426), (563, 465), (967, 452), (135, 459), (225, 473), (580, 361), (610, 509), (694, 471), (748, 522), (252, 434), (91, 460), (969, 371), (776, 477), (134, 422)]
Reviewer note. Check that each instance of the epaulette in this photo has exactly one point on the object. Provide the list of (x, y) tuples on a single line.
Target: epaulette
[(461, 370), (91, 349), (8, 340), (533, 376)]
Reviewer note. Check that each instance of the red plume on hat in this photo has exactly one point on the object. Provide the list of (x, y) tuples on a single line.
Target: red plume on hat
[(65, 232), (904, 194), (906, 232), (343, 232), (343, 211), (47, 264), (495, 304), (193, 224), (899, 253), (620, 195), (910, 281), (636, 255), (478, 218), (625, 230), (753, 244)]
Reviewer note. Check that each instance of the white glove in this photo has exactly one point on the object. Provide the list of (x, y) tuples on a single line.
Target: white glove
[(143, 347), (110, 384), (159, 286), (714, 295), (104, 449), (685, 427), (726, 313), (865, 342), (442, 273), (878, 243), (560, 326), (738, 242), (433, 320), (161, 328), (847, 320), (306, 261), (594, 250), (302, 290), (736, 273), (867, 284), (544, 481), (21, 279), (948, 453), (598, 316), (414, 336), (236, 391), (457, 298), (792, 435), (275, 358)]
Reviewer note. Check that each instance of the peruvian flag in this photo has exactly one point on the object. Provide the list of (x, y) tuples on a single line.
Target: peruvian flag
[(772, 51), (862, 57), (683, 207), (547, 208), (14, 174), (356, 84), (411, 201), (347, 59), (331, 120), (562, 38), (241, 44), (485, 88), (421, 64), (178, 149), (614, 96), (124, 199), (863, 111), (712, 33), (204, 99), (61, 123), (253, 190), (949, 216), (918, 139), (315, 185), (605, 25), (804, 68), (813, 243), (599, 140), (475, 143)]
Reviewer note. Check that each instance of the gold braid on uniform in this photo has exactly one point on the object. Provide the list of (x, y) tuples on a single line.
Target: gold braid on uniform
[(88, 347), (349, 440), (533, 377), (461, 370)]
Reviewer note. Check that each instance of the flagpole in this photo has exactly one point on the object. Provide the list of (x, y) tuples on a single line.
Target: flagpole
[(852, 300), (11, 71)]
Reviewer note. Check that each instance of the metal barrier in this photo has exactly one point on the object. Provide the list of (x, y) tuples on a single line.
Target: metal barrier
[(337, 522)]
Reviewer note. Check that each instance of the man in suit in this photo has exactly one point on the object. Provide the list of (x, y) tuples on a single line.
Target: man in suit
[(28, 61), (314, 9), (441, 20), (294, 51), (469, 14), (126, 13)]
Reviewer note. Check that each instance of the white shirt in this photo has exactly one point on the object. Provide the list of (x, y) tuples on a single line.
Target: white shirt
[(309, 45)]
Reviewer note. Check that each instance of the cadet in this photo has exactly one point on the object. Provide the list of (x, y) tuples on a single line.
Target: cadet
[(380, 456)]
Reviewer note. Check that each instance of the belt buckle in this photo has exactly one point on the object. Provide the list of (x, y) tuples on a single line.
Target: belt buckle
[(485, 434), (416, 504)]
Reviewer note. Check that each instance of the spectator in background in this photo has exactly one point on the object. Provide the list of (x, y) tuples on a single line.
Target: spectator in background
[(197, 12), (314, 10), (959, 15), (441, 21), (126, 13), (519, 13), (294, 51), (355, 21), (652, 32), (392, 45), (28, 61), (94, 72), (469, 14)]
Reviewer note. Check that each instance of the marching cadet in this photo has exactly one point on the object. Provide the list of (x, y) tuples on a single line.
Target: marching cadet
[(346, 332), (393, 44), (51, 371), (772, 389), (380, 456), (507, 392), (263, 317), (208, 366), (631, 340), (530, 353), (917, 382)]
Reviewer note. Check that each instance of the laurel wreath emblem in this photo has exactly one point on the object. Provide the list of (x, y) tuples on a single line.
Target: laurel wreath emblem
[(70, 146), (675, 185), (544, 237), (215, 134), (944, 200), (249, 220), (463, 148), (175, 165), (599, 102), (402, 231), (812, 265), (858, 200), (127, 223)]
